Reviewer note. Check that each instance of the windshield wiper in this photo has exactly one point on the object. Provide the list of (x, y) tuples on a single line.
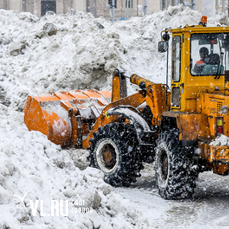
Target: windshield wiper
[(218, 72)]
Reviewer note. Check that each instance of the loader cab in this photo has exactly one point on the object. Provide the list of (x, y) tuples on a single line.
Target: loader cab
[(199, 63)]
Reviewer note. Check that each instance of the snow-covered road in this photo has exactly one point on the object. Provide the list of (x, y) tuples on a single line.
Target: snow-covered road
[(208, 209), (83, 54)]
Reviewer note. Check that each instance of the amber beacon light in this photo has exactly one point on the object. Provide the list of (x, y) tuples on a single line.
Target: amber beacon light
[(203, 21)]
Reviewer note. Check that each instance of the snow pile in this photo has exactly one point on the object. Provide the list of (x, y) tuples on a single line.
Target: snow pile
[(221, 140), (62, 52), (29, 162)]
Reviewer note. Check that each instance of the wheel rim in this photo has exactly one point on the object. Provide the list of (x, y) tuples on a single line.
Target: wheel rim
[(107, 155), (164, 165)]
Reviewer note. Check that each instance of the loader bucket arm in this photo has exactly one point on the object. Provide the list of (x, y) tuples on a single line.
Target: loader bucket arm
[(70, 118), (133, 100)]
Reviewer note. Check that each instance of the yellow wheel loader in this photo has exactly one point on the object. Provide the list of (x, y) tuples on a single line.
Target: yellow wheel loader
[(174, 127)]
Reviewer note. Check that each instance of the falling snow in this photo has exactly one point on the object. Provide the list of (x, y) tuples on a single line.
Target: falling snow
[(80, 53)]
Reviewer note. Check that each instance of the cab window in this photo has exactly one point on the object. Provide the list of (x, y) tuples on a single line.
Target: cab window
[(209, 54), (176, 50)]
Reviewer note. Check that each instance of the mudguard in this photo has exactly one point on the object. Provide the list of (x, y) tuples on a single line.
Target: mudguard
[(133, 115)]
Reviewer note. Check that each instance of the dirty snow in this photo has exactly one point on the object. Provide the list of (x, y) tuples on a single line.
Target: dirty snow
[(221, 140), (75, 51), (30, 162), (84, 52)]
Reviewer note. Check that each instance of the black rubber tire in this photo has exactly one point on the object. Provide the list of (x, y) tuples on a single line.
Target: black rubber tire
[(175, 176), (125, 164)]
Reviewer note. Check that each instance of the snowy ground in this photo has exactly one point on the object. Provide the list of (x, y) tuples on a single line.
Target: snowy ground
[(207, 209), (78, 51)]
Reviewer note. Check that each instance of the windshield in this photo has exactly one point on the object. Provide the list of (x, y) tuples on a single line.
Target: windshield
[(209, 54)]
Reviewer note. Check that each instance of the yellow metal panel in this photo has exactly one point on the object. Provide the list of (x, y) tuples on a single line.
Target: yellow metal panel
[(191, 85), (210, 104), (193, 126)]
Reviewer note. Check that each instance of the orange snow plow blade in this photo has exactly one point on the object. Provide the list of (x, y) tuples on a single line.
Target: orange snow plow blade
[(66, 118)]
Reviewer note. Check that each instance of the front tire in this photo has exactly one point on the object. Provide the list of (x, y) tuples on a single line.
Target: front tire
[(113, 150), (175, 176)]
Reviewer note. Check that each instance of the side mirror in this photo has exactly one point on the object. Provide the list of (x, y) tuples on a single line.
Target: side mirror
[(162, 46)]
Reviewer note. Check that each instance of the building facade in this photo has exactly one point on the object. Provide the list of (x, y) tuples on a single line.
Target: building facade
[(123, 8)]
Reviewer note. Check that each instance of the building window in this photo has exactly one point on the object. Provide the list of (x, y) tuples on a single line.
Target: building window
[(24, 5), (163, 4), (48, 6), (174, 2), (3, 5), (129, 3), (110, 3), (92, 7)]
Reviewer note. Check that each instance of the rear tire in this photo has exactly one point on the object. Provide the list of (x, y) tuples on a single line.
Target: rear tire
[(175, 176), (113, 150)]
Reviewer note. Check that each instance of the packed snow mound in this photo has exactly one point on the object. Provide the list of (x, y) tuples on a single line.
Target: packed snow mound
[(62, 52), (77, 51), (221, 140), (30, 162)]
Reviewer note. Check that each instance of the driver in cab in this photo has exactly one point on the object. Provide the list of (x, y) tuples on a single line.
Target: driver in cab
[(204, 59)]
